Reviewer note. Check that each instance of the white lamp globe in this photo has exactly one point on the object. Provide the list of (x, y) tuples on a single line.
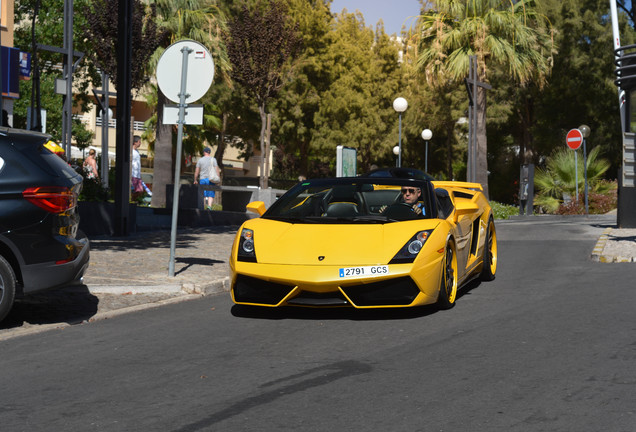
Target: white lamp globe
[(400, 105), (110, 113), (427, 134), (396, 150)]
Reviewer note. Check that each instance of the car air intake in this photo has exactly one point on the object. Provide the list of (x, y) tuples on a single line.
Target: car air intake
[(252, 290), (392, 292)]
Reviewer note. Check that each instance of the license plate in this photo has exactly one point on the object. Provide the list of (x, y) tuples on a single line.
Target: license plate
[(366, 271)]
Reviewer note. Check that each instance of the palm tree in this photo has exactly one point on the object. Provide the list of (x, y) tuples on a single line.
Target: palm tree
[(199, 20), (504, 32), (558, 181)]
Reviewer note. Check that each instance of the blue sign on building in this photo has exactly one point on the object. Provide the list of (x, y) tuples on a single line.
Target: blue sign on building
[(10, 58)]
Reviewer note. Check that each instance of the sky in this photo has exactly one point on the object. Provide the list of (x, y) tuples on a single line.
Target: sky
[(394, 13)]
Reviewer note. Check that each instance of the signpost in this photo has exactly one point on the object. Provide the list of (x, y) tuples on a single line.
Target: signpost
[(574, 139), (184, 86)]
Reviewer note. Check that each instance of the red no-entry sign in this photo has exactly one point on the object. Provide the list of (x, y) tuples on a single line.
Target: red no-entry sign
[(574, 139)]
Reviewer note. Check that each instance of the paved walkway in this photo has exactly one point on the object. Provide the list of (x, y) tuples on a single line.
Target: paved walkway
[(616, 245), (142, 261)]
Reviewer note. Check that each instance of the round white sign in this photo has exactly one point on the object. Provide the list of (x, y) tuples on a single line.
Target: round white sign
[(200, 72)]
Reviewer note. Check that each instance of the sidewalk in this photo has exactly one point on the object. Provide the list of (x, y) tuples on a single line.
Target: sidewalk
[(616, 245), (140, 263), (133, 272)]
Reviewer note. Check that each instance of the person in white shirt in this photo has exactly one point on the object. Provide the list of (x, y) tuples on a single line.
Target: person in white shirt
[(135, 183)]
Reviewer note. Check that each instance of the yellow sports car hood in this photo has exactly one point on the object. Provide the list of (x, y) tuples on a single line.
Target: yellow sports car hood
[(332, 244)]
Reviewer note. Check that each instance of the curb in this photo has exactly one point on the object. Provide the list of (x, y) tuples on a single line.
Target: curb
[(214, 287), (100, 316), (597, 252), (114, 289)]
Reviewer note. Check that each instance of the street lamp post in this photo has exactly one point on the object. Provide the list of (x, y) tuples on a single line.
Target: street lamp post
[(400, 105), (585, 131), (396, 152), (427, 135)]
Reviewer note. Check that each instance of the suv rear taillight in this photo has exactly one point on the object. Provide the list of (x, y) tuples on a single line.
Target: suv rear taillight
[(54, 199)]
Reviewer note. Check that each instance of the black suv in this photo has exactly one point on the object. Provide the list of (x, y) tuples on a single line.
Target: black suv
[(40, 245)]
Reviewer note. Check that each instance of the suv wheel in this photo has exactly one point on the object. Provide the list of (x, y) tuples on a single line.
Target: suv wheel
[(7, 287)]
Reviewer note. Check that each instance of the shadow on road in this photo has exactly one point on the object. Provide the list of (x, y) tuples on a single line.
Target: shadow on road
[(70, 305), (298, 313)]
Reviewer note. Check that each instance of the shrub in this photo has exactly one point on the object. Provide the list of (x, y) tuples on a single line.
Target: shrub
[(503, 211), (562, 177), (599, 202)]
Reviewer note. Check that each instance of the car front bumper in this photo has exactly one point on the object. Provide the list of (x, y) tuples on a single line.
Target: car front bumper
[(317, 286)]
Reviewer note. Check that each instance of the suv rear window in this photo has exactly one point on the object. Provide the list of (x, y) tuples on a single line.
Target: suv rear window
[(48, 161), (57, 164)]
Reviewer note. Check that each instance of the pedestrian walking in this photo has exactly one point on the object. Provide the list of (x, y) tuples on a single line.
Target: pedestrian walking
[(135, 181), (90, 166), (207, 171)]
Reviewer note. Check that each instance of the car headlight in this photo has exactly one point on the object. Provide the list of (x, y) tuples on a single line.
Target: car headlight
[(246, 246), (412, 247)]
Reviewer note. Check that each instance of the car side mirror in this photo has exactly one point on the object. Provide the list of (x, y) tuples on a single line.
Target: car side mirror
[(257, 207)]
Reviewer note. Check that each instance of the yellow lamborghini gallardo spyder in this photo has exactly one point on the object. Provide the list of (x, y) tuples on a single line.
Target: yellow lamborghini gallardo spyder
[(365, 242)]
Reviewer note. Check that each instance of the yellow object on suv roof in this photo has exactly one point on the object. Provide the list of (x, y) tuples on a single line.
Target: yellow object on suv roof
[(54, 147)]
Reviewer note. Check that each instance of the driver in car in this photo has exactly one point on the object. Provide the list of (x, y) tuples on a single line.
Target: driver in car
[(411, 196)]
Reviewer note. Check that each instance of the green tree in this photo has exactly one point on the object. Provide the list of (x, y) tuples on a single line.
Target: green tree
[(581, 89), (42, 23), (49, 30), (438, 109), (495, 31), (51, 103), (299, 100), (261, 42), (356, 110), (237, 122), (101, 29)]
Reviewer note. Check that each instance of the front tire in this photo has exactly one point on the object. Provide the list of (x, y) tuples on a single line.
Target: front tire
[(490, 253), (448, 285), (7, 288)]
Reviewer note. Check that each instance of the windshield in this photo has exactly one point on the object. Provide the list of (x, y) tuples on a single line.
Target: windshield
[(354, 200)]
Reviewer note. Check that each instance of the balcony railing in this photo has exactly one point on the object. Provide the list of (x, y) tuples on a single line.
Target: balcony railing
[(112, 123)]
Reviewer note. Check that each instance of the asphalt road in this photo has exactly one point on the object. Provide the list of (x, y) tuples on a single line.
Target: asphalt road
[(549, 345)]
